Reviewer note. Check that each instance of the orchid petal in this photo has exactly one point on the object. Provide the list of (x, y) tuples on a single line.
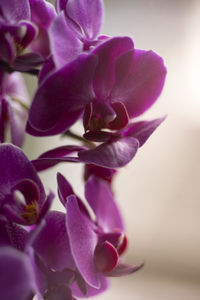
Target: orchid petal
[(47, 68), (88, 14), (143, 129), (15, 167), (105, 257), (61, 98), (13, 235), (65, 46), (52, 242), (142, 84), (123, 270), (14, 10), (83, 241), (107, 53), (64, 188), (31, 32), (101, 200), (112, 154), (15, 287), (42, 13), (121, 119), (46, 163), (60, 5), (27, 61), (57, 155)]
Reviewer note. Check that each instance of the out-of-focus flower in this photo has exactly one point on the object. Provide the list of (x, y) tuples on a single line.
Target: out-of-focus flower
[(16, 275), (21, 23), (42, 14), (75, 29), (16, 271), (22, 196), (14, 104)]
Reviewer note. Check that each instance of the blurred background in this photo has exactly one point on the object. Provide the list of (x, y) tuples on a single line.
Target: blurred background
[(159, 191)]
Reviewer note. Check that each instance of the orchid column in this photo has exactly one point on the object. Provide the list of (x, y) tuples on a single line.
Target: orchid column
[(104, 82)]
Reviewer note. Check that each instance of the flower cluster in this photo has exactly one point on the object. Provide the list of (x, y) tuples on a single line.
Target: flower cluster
[(103, 82)]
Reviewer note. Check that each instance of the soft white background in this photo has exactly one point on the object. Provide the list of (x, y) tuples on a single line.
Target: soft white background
[(159, 191)]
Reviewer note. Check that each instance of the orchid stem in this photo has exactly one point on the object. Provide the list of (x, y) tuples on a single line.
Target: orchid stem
[(78, 138)]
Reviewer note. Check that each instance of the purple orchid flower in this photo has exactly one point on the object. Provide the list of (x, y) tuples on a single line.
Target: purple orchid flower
[(22, 196), (96, 245), (14, 103), (125, 84), (75, 29), (55, 264), (20, 25)]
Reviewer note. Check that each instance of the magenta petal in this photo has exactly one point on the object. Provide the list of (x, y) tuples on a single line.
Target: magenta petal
[(113, 154), (55, 156), (47, 68), (143, 129), (15, 88), (143, 83), (46, 163), (101, 200), (16, 275), (60, 5), (31, 32), (45, 207), (15, 167), (64, 188), (52, 242), (42, 13), (83, 241), (62, 151), (13, 235), (29, 189), (59, 102), (14, 11), (121, 119), (107, 53), (123, 270), (105, 257), (88, 14), (65, 45)]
